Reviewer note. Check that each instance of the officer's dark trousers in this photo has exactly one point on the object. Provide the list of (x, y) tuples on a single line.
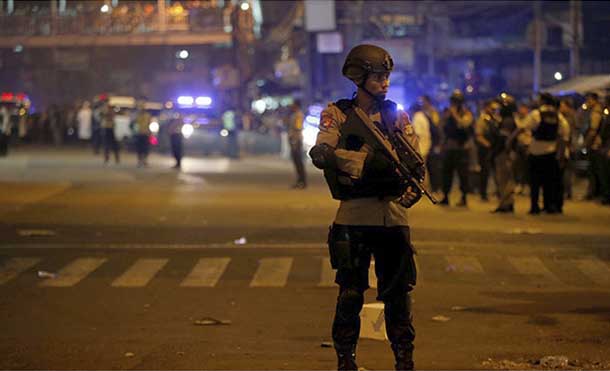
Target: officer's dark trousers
[(455, 159), (142, 147), (485, 162), (296, 152), (396, 277), (545, 173), (593, 172), (605, 178), (110, 144), (434, 162), (4, 139), (96, 140), (176, 143)]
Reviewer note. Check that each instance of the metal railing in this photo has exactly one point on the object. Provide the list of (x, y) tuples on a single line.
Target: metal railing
[(118, 21)]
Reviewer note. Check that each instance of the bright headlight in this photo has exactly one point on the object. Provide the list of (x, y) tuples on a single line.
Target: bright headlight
[(153, 127), (187, 130)]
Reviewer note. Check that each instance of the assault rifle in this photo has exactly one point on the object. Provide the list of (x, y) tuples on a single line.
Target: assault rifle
[(405, 157)]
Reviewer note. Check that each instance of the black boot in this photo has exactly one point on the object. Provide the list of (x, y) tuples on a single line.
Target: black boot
[(346, 359), (404, 357)]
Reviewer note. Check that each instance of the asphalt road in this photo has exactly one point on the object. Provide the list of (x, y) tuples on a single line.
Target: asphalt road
[(223, 266)]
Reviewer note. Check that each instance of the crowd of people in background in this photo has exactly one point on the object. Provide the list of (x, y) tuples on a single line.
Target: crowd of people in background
[(519, 145)]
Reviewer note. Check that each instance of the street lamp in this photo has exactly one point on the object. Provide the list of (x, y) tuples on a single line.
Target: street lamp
[(183, 54), (244, 6), (105, 8), (558, 76)]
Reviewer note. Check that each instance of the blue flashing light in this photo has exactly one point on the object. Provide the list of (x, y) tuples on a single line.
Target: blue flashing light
[(185, 100), (203, 101), (400, 107)]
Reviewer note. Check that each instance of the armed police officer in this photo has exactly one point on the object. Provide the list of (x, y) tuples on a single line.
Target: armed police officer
[(372, 216)]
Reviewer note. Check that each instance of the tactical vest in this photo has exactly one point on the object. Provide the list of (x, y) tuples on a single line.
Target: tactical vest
[(353, 136), (549, 126), (453, 131)]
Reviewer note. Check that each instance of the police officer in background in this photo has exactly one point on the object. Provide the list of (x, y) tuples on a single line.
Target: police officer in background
[(485, 128), (372, 217), (175, 137), (503, 148), (142, 134), (551, 133), (593, 144), (295, 138), (458, 131)]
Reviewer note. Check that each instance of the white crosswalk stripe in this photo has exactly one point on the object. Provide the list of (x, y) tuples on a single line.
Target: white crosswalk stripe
[(595, 269), (206, 272), (463, 264), (74, 272), (532, 266), (15, 266), (140, 273), (272, 272), (275, 271), (327, 274)]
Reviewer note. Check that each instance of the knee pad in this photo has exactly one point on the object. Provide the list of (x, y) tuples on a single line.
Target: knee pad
[(350, 303)]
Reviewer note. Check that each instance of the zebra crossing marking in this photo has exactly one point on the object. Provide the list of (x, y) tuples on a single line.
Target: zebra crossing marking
[(272, 272), (595, 269), (463, 264), (532, 266), (140, 273), (14, 267), (74, 272), (206, 272), (327, 274)]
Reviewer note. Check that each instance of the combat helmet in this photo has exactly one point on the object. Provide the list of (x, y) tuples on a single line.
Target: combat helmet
[(457, 97), (365, 59), (508, 105)]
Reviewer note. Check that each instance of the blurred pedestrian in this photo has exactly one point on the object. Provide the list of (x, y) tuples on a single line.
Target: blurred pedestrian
[(550, 133), (295, 138), (110, 142), (97, 136), (84, 118), (524, 139), (142, 134), (503, 145), (458, 130), (56, 125), (593, 144), (229, 123), (485, 128), (175, 136), (604, 135), (5, 129), (566, 107), (434, 160)]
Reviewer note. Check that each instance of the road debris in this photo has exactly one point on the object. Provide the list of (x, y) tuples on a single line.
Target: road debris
[(326, 344), (36, 232), (554, 362), (441, 318), (45, 274), (129, 354), (241, 241), (209, 321), (457, 308)]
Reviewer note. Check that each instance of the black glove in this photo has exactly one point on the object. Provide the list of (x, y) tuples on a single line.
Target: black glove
[(411, 196)]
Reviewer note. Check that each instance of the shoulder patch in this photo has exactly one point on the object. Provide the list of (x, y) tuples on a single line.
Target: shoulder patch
[(326, 120)]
